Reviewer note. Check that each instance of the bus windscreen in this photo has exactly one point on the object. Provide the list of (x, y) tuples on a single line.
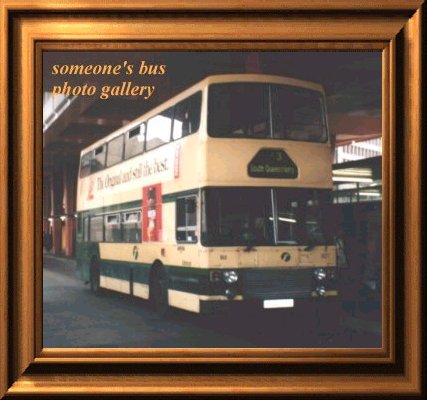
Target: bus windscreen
[(263, 216)]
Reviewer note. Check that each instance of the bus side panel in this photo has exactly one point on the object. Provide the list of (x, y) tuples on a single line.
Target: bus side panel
[(190, 279), (140, 280), (125, 277), (115, 276)]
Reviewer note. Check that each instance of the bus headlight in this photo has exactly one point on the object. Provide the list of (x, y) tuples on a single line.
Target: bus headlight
[(230, 276), (320, 274), (320, 290), (230, 293)]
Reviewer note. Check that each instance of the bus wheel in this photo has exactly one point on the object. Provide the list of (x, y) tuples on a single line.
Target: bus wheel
[(95, 276), (159, 291)]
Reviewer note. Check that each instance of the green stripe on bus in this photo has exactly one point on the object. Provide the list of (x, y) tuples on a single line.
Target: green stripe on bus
[(173, 196), (196, 280), (136, 204), (188, 279), (112, 208)]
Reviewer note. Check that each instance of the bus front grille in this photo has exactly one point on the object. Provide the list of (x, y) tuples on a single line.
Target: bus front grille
[(276, 284)]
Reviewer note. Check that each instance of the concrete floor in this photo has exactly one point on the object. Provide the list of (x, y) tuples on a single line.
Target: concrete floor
[(74, 317)]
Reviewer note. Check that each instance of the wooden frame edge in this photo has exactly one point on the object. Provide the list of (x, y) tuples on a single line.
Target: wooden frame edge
[(4, 277), (409, 383), (220, 5), (413, 162), (185, 384)]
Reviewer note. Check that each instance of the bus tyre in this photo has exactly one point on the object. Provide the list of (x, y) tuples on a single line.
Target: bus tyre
[(159, 291), (95, 276)]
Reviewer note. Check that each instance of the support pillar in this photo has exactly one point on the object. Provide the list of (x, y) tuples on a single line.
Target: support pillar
[(70, 183), (46, 205), (57, 207)]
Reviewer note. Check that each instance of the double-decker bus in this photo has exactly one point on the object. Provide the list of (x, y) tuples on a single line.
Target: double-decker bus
[(218, 196)]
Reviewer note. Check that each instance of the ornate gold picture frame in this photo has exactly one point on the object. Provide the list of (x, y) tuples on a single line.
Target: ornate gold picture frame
[(393, 27)]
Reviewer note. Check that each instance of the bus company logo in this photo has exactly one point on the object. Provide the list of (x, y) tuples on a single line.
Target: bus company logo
[(272, 163), (286, 257), (135, 252)]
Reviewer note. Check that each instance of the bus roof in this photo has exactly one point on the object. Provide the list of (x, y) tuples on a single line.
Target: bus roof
[(212, 79)]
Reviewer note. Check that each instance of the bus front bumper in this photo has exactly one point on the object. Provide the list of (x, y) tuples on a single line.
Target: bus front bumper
[(207, 304), (268, 287)]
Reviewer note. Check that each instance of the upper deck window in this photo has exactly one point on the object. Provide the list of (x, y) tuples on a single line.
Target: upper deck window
[(297, 114), (187, 116), (159, 129), (238, 110), (115, 151), (257, 110), (134, 143), (93, 161), (99, 160), (85, 164)]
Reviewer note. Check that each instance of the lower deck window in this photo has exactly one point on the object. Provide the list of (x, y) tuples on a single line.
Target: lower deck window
[(86, 229), (131, 227), (118, 227), (96, 229), (186, 219), (112, 228)]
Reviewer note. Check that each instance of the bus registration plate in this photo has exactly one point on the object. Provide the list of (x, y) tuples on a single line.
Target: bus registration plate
[(278, 303)]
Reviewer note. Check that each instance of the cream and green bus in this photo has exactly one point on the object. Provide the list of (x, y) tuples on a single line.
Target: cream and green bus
[(217, 197)]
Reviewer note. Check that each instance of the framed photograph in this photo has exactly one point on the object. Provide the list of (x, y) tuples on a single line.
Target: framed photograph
[(202, 199)]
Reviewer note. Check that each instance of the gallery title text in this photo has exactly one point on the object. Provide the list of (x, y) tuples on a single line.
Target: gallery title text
[(90, 87)]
